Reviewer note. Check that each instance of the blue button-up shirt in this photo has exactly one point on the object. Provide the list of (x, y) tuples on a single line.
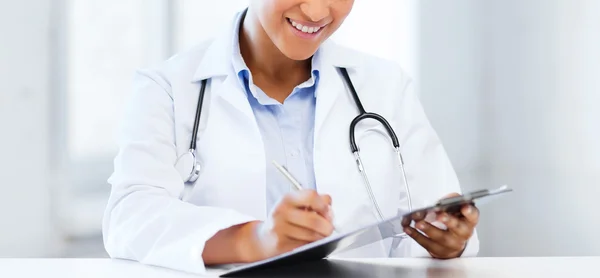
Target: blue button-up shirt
[(287, 128)]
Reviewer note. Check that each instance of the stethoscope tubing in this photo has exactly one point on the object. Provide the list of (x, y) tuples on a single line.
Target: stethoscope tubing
[(363, 115)]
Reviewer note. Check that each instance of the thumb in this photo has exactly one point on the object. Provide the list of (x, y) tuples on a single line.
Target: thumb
[(327, 199), (450, 195)]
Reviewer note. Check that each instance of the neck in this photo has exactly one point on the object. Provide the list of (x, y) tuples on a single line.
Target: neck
[(264, 59)]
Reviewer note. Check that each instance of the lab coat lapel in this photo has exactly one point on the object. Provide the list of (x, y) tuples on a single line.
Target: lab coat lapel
[(215, 65), (335, 169), (234, 126), (330, 83), (231, 92), (327, 92)]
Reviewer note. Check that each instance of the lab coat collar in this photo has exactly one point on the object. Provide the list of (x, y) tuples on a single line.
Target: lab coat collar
[(216, 60)]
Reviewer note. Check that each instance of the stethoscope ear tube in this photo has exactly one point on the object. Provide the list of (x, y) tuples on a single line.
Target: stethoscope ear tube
[(197, 118), (187, 164), (362, 115), (361, 109)]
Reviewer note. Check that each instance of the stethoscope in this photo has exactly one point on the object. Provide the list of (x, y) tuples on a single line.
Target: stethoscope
[(189, 167)]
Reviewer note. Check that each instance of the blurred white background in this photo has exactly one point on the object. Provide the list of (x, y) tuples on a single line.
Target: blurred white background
[(510, 85)]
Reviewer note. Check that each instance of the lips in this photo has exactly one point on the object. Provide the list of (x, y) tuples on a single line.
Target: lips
[(304, 28)]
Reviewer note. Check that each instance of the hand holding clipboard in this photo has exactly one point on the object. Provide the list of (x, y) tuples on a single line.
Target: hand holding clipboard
[(459, 215), (360, 237)]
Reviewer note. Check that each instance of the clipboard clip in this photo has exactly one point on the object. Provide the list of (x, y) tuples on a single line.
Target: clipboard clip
[(453, 205)]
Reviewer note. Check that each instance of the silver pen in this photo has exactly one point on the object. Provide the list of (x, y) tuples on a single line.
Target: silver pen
[(288, 176), (291, 179)]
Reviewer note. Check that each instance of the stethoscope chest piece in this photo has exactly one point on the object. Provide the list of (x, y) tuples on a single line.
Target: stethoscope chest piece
[(188, 167)]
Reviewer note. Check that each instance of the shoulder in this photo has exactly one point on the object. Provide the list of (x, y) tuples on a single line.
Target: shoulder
[(188, 58), (370, 70), (178, 69), (374, 77)]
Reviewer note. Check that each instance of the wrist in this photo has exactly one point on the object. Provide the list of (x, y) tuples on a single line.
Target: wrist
[(248, 242), (452, 255)]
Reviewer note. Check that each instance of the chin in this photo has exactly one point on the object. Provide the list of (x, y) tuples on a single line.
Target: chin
[(300, 54)]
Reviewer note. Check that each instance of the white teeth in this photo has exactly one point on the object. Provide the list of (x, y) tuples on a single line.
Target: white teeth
[(305, 29)]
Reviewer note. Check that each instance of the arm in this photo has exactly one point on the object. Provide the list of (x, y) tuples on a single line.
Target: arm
[(144, 219), (433, 169), (240, 238)]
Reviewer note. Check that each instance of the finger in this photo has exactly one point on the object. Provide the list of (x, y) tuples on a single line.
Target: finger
[(454, 194), (308, 199), (327, 199), (441, 237), (417, 216), (287, 244), (311, 200), (329, 214), (471, 214), (427, 243), (309, 220), (457, 226), (302, 234), (406, 220)]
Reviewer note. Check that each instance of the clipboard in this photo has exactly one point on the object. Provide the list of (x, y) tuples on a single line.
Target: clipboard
[(363, 236)]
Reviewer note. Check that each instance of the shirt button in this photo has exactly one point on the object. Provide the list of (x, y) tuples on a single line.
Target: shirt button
[(294, 153)]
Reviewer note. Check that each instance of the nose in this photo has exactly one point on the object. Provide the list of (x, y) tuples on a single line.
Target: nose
[(316, 10)]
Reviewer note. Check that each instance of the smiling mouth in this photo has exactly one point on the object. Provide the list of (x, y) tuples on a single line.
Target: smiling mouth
[(305, 29)]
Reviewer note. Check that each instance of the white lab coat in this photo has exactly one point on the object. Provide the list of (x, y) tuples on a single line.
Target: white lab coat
[(145, 220)]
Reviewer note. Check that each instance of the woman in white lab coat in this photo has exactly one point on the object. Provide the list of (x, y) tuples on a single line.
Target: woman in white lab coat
[(274, 92)]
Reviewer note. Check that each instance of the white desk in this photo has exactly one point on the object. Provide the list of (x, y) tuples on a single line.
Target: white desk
[(471, 267)]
